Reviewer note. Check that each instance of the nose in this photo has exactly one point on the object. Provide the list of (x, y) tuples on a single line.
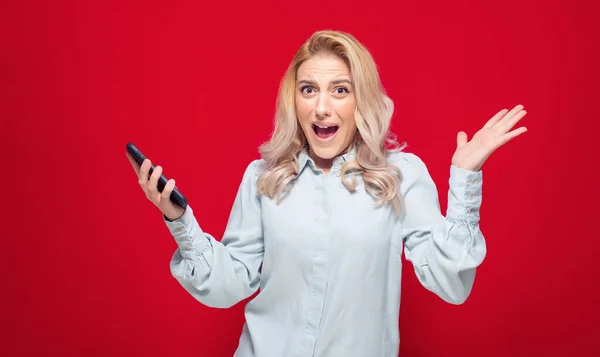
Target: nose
[(323, 109)]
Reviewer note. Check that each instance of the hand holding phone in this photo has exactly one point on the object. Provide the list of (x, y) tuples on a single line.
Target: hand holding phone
[(158, 189)]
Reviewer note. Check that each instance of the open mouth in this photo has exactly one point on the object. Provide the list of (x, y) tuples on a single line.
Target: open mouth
[(325, 131)]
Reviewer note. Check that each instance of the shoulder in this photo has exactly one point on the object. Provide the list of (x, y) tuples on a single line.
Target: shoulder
[(413, 171), (409, 164), (251, 174), (254, 169)]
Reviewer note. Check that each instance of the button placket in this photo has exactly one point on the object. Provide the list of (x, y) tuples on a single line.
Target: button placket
[(320, 263)]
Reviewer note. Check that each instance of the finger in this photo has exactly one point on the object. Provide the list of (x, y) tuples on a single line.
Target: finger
[(507, 117), (134, 164), (153, 184), (507, 126), (461, 139), (490, 123), (143, 175), (513, 134), (166, 194)]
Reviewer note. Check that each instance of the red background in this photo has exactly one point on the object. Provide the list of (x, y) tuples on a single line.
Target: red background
[(85, 257)]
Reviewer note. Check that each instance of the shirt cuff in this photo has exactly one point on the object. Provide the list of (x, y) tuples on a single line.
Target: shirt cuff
[(188, 234), (464, 196)]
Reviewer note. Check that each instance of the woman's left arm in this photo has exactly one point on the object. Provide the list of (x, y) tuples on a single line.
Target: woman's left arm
[(446, 250)]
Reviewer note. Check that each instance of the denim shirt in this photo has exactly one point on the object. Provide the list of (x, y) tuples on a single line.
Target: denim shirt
[(328, 261)]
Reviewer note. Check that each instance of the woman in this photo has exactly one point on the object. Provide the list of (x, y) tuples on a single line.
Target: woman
[(320, 221)]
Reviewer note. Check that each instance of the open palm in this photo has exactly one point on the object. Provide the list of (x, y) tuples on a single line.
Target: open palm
[(471, 155)]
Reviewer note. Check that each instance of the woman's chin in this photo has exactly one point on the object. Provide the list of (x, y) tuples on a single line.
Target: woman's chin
[(326, 153)]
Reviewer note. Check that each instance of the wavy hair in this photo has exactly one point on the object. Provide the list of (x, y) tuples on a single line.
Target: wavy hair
[(372, 114)]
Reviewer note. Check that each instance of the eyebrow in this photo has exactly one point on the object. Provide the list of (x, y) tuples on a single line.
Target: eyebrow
[(334, 82)]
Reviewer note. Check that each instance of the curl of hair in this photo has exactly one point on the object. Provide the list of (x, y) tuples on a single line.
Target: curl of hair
[(373, 113)]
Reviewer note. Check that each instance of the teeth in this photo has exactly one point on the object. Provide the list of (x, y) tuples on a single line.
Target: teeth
[(323, 127)]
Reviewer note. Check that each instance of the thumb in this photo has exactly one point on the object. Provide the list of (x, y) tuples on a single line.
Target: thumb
[(461, 139)]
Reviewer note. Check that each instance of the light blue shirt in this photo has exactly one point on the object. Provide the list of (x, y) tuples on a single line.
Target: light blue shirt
[(327, 262)]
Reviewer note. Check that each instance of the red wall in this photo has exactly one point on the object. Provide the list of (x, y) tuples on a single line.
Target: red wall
[(85, 258)]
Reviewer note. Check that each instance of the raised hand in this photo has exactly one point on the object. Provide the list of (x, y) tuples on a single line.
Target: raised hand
[(150, 188), (471, 155)]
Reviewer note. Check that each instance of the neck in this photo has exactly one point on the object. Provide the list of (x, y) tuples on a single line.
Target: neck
[(323, 164)]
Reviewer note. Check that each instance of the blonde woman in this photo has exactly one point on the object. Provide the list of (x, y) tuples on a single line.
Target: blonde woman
[(321, 219)]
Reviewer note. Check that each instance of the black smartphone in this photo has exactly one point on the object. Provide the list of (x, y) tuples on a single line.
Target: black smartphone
[(176, 196)]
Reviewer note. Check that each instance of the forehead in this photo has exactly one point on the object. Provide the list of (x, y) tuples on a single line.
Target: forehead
[(323, 66)]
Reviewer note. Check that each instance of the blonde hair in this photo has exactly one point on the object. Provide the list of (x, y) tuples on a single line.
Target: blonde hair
[(373, 114)]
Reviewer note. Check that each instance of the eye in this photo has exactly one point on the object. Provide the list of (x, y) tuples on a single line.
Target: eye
[(307, 90), (341, 90)]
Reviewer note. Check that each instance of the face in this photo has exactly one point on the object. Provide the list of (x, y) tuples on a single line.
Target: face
[(325, 104)]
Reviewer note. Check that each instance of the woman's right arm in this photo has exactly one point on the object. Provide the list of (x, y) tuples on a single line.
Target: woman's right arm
[(221, 274)]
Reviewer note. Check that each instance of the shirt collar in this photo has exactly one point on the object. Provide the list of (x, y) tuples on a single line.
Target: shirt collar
[(304, 159)]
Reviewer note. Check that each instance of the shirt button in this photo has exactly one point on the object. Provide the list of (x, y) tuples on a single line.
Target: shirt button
[(474, 181), (471, 197)]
